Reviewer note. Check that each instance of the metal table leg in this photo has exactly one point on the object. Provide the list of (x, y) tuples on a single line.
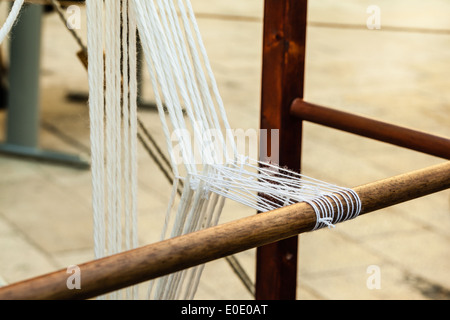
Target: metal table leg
[(23, 121)]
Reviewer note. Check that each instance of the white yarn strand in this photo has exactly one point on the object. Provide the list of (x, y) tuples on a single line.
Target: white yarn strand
[(126, 124), (133, 96), (189, 103), (113, 116), (94, 12), (179, 65), (11, 19)]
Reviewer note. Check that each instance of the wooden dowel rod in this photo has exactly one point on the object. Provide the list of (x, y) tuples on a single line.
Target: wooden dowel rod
[(374, 129), (162, 258)]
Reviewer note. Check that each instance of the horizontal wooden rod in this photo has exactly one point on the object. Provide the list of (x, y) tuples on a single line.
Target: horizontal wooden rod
[(132, 267), (374, 129)]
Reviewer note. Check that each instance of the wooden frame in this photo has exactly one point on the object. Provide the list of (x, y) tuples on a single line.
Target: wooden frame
[(284, 54), (283, 72)]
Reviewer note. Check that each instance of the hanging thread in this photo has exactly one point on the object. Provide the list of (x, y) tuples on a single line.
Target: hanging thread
[(113, 115), (11, 19), (188, 101), (206, 170)]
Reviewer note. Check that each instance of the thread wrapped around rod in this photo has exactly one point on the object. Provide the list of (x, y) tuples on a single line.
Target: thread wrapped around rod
[(149, 262)]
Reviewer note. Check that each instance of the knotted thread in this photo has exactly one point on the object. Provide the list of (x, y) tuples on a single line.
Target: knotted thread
[(188, 101), (113, 116)]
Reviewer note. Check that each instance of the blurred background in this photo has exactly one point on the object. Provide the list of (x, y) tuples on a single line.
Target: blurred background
[(397, 74)]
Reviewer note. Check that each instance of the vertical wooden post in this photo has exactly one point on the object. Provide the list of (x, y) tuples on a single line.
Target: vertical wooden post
[(282, 82)]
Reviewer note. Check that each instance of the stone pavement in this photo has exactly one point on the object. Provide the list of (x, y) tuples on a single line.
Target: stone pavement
[(396, 75)]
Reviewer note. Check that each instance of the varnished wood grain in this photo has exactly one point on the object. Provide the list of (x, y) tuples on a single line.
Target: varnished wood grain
[(374, 129), (282, 81)]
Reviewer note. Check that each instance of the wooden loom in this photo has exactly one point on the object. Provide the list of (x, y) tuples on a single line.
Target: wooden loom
[(273, 233)]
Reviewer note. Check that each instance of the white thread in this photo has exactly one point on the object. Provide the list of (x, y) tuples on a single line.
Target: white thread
[(181, 77), (168, 286), (126, 123), (118, 125), (172, 57), (96, 113), (113, 116), (282, 188), (133, 121), (11, 19)]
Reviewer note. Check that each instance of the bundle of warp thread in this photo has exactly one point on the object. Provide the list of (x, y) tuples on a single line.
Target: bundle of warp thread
[(188, 100)]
